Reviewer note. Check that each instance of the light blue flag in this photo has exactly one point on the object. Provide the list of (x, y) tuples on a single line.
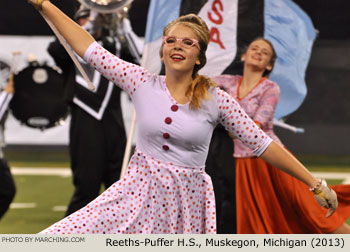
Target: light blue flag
[(292, 34), (160, 13), (288, 28)]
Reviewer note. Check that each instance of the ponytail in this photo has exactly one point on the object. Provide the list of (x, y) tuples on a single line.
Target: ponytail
[(199, 90)]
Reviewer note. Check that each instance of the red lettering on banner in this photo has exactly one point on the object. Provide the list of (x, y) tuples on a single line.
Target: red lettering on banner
[(215, 10), (214, 31), (215, 37)]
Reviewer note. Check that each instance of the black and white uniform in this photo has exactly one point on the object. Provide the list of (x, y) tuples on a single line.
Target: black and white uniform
[(97, 134), (7, 184)]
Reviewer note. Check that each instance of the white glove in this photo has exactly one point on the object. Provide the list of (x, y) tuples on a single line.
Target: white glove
[(325, 196), (37, 3)]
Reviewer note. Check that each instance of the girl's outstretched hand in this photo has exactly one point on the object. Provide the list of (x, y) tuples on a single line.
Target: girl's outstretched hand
[(325, 197), (37, 3)]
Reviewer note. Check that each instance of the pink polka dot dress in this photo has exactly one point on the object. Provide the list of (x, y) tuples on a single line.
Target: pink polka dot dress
[(165, 188)]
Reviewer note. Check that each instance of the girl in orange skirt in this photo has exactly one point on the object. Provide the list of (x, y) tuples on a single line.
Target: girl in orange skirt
[(268, 200)]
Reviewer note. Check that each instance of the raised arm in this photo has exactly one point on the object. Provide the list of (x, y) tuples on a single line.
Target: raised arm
[(76, 37), (124, 74)]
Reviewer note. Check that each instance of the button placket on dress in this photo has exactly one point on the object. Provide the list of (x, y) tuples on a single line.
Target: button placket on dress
[(168, 120)]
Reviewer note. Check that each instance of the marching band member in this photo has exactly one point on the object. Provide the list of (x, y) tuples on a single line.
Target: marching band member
[(7, 184)]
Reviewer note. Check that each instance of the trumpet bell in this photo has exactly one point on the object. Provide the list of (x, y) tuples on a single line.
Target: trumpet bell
[(105, 6)]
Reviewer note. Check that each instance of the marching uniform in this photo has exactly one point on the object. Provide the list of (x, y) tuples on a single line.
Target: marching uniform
[(7, 184), (97, 134)]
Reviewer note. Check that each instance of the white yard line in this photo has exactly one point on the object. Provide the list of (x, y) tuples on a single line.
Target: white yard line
[(23, 205), (63, 172), (347, 181), (59, 208), (334, 175), (19, 205)]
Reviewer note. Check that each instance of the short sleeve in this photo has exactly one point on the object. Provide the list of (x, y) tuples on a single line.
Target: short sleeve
[(125, 75), (236, 121)]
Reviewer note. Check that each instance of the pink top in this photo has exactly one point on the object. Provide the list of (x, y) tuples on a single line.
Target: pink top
[(260, 104)]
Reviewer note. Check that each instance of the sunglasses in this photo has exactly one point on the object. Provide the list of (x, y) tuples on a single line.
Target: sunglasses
[(185, 42)]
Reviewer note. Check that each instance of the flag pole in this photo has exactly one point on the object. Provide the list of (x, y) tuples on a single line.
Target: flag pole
[(69, 50)]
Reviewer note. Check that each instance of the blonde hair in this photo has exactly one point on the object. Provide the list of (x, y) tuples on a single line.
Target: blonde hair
[(198, 90)]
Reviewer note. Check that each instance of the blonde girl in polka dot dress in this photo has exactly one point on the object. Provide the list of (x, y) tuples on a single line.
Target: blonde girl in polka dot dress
[(165, 188)]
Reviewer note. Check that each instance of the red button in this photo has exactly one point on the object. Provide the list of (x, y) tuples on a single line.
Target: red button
[(165, 147), (166, 135), (174, 108), (168, 120)]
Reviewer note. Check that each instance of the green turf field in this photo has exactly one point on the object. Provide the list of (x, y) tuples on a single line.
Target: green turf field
[(46, 192), (51, 194)]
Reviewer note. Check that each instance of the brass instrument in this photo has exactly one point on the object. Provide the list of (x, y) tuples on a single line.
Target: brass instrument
[(113, 16), (105, 6)]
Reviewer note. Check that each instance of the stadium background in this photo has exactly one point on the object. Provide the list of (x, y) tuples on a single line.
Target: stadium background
[(325, 113)]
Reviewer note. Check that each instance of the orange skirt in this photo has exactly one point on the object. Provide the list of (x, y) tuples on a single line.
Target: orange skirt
[(270, 201)]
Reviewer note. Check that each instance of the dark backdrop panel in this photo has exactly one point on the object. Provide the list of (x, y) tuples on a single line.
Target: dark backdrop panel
[(327, 78), (17, 17), (331, 18)]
